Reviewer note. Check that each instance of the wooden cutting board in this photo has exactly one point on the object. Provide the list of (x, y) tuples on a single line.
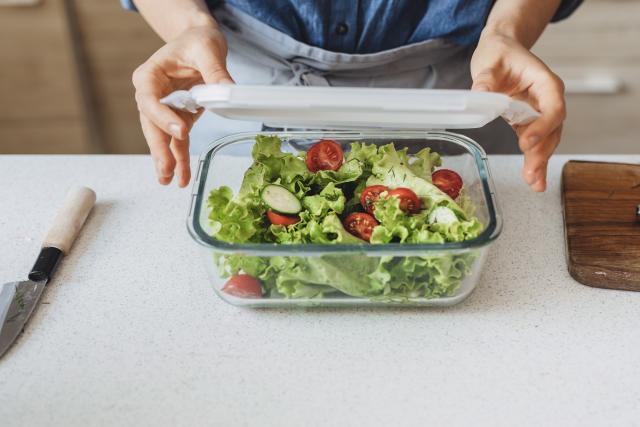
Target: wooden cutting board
[(602, 233)]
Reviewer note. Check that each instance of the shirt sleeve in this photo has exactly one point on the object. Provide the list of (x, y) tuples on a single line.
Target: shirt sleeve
[(128, 4), (567, 7)]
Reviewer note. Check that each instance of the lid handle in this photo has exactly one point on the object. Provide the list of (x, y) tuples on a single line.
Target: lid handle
[(182, 100), (520, 113)]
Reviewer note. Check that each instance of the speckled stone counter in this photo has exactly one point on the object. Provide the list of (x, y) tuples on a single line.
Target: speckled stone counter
[(130, 333)]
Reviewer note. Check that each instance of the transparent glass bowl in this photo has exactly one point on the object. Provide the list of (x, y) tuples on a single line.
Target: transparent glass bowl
[(227, 159)]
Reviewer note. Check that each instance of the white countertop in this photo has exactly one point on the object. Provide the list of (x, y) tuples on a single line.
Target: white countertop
[(130, 333)]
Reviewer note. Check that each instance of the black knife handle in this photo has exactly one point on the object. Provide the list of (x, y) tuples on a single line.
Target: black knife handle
[(45, 264)]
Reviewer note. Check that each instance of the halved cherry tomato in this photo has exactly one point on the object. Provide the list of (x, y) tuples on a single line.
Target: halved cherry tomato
[(447, 181), (277, 219), (370, 195), (360, 225), (324, 155), (243, 286), (409, 201)]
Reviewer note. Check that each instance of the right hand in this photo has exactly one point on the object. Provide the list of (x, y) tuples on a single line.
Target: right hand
[(195, 57), (502, 64)]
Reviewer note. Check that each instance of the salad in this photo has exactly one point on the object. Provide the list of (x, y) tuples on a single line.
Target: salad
[(369, 195)]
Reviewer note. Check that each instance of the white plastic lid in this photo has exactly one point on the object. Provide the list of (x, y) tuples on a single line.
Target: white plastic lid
[(343, 108)]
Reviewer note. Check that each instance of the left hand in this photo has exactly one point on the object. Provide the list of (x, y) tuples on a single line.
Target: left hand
[(501, 64)]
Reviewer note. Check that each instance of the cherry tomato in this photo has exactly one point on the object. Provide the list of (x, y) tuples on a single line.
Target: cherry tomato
[(243, 286), (447, 181), (324, 155), (409, 201), (360, 225), (286, 220), (370, 195)]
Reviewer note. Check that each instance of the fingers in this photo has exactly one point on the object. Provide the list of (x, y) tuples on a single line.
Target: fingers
[(191, 59), (161, 127), (550, 99), (213, 71), (180, 151), (211, 62), (150, 84), (162, 156), (484, 81), (536, 159), (541, 181), (539, 139), (536, 156)]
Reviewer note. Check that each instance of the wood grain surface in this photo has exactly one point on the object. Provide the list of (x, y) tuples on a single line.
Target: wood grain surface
[(115, 41), (70, 218), (41, 108), (601, 230), (65, 77)]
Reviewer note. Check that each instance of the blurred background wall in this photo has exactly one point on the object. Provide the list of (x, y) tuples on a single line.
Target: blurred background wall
[(65, 76)]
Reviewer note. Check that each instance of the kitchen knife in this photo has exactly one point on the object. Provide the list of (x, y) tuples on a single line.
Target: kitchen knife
[(18, 299)]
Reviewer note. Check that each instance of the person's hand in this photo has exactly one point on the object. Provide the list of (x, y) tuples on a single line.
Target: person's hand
[(501, 64), (197, 56)]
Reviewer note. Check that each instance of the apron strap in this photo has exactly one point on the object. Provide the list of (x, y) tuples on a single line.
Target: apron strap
[(305, 76)]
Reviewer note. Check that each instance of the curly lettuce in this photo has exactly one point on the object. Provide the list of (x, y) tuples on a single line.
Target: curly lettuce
[(356, 275), (329, 196), (395, 170), (397, 226)]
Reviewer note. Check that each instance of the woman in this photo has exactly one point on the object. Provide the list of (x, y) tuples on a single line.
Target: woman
[(482, 45)]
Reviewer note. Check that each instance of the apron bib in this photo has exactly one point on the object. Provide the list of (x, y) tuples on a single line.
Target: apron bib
[(261, 55)]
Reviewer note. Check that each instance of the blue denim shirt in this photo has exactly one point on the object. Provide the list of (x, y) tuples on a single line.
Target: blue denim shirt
[(366, 26)]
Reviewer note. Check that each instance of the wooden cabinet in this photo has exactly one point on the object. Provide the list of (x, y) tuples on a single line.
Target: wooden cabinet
[(41, 106), (115, 42), (65, 77)]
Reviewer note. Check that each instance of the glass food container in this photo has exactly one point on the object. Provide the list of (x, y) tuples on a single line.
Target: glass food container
[(442, 274)]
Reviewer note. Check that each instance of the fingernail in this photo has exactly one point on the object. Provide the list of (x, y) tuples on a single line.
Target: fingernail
[(165, 180), (533, 140), (536, 178), (175, 130), (530, 177), (538, 175)]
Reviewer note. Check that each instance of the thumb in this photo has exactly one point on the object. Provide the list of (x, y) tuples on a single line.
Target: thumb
[(212, 65), (483, 82), (216, 74)]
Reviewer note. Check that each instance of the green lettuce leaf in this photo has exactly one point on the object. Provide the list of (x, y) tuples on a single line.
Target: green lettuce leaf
[(394, 171), (314, 230), (329, 199), (366, 155), (272, 166), (242, 221), (397, 226), (331, 230), (424, 164), (356, 275), (349, 172)]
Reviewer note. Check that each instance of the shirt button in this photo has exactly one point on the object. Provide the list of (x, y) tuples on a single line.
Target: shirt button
[(342, 29)]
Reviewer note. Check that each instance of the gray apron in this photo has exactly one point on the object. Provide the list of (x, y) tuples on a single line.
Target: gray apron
[(261, 55)]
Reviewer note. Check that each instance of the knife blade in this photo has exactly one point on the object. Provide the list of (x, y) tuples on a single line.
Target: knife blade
[(19, 299)]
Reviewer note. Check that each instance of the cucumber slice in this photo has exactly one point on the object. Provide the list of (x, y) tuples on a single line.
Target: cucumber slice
[(280, 200), (442, 215)]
